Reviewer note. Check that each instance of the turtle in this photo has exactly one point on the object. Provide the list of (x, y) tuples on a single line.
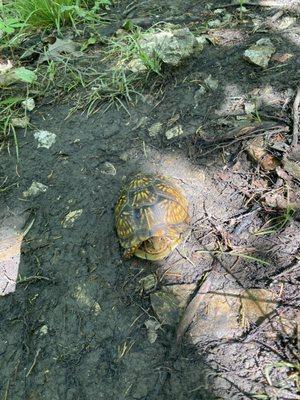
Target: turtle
[(151, 214)]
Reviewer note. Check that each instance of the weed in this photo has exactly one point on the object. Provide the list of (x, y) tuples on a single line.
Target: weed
[(127, 48), (32, 14), (293, 369), (111, 87), (235, 254), (9, 109), (241, 8), (276, 224)]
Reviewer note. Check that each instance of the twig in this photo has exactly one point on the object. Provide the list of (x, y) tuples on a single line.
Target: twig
[(262, 3), (261, 131), (34, 362), (296, 118)]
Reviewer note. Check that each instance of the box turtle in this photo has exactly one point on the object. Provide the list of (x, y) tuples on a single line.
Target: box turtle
[(151, 214)]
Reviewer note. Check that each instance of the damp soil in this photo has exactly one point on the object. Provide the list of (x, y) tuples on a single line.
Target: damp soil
[(79, 334)]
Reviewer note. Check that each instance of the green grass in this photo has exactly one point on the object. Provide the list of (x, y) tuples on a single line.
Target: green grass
[(111, 87), (235, 254), (8, 110), (33, 14), (276, 224), (127, 47)]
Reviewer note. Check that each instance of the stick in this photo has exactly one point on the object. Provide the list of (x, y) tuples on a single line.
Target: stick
[(262, 3), (34, 362), (296, 118)]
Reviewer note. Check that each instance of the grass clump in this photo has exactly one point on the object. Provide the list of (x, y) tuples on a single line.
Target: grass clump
[(33, 14)]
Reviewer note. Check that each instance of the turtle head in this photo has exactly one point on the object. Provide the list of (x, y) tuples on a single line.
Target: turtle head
[(157, 247)]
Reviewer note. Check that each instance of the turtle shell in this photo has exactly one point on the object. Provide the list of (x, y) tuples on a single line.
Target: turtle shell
[(150, 206)]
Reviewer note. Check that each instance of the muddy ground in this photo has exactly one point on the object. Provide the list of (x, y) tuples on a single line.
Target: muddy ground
[(77, 331)]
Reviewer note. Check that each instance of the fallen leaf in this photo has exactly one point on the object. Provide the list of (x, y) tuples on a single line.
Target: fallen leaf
[(257, 151), (61, 49), (282, 58)]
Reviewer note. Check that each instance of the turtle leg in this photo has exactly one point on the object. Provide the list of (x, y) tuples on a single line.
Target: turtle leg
[(128, 253)]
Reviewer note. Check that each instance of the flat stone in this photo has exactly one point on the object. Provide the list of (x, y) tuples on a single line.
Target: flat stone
[(226, 314), (171, 47), (108, 169), (260, 52), (174, 132), (155, 129), (35, 189), (20, 122), (12, 232), (45, 139)]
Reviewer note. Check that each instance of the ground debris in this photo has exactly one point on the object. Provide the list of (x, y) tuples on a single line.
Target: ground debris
[(61, 49), (108, 169), (71, 217), (174, 132), (257, 150)]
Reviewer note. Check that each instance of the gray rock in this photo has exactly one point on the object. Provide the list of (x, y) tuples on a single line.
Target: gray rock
[(215, 23), (28, 104), (20, 122), (108, 169), (211, 83), (35, 189), (171, 47), (155, 129), (45, 139), (286, 22), (174, 132), (260, 52)]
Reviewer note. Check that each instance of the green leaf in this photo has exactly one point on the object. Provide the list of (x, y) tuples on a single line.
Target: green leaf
[(25, 75), (87, 43), (11, 100)]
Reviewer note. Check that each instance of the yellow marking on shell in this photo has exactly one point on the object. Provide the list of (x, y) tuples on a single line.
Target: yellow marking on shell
[(124, 226), (138, 181), (120, 204), (174, 212), (143, 196)]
